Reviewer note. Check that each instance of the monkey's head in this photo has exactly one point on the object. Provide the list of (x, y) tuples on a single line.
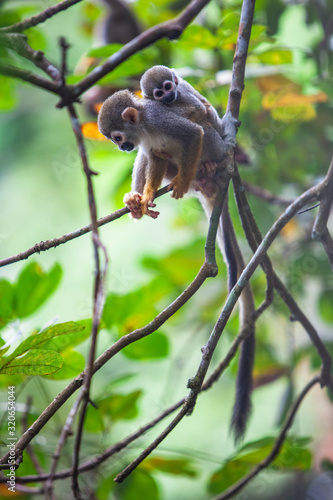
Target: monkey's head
[(118, 120), (160, 83)]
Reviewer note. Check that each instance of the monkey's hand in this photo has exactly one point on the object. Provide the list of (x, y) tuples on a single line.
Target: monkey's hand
[(207, 169), (147, 202), (133, 202)]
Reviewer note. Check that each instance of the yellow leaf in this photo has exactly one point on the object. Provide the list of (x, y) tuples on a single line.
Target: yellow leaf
[(291, 231), (90, 131), (273, 83)]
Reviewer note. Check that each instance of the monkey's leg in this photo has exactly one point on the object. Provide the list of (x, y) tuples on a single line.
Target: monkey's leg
[(133, 199), (155, 171), (189, 163)]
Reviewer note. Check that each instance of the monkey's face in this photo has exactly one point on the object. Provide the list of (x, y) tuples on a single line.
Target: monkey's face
[(166, 93), (123, 143)]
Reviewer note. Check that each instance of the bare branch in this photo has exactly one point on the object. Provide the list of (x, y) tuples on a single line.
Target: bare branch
[(29, 77), (47, 244), (320, 231), (39, 18), (170, 29), (98, 293), (277, 446), (262, 193)]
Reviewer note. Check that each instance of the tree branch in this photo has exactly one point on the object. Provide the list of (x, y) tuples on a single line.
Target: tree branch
[(29, 77), (39, 18), (170, 29), (277, 445), (47, 244)]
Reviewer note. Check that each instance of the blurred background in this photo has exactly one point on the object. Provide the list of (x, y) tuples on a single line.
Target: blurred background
[(285, 147)]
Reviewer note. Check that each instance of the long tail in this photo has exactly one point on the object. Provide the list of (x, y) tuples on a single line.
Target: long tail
[(242, 405)]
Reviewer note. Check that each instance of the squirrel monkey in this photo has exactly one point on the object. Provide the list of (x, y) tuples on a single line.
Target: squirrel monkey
[(165, 141)]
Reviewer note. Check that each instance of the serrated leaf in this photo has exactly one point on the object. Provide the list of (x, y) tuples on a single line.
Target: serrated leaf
[(73, 364), (35, 362), (6, 302), (174, 466), (34, 286), (152, 347)]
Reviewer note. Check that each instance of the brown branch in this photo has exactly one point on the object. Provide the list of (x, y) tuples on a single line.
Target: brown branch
[(170, 29), (320, 231), (266, 195), (18, 43), (254, 238), (29, 77), (47, 244), (39, 18), (84, 397), (277, 445)]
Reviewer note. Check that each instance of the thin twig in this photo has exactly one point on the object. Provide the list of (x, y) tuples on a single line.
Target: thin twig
[(47, 244), (98, 296), (39, 18), (29, 77), (255, 239), (266, 195), (171, 29), (18, 43), (277, 445), (320, 231)]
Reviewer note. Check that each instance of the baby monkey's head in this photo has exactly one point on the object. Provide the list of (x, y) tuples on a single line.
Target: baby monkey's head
[(160, 83)]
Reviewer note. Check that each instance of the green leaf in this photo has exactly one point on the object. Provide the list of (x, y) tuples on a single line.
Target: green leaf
[(73, 364), (153, 346), (120, 406), (105, 51), (34, 286), (134, 309), (38, 339), (65, 335), (93, 421), (325, 303), (6, 302), (8, 96), (174, 466), (139, 484), (277, 56), (198, 37), (35, 362), (226, 476)]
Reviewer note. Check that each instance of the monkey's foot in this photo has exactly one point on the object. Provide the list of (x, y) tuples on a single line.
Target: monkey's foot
[(180, 186), (152, 213), (133, 202)]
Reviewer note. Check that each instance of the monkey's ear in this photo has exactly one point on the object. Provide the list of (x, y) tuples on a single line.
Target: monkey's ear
[(130, 115), (175, 77)]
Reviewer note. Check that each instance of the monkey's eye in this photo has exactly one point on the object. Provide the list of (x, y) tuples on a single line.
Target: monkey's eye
[(117, 138), (168, 86), (159, 93)]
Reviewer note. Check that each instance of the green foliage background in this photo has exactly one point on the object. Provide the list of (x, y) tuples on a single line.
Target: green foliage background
[(43, 195)]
